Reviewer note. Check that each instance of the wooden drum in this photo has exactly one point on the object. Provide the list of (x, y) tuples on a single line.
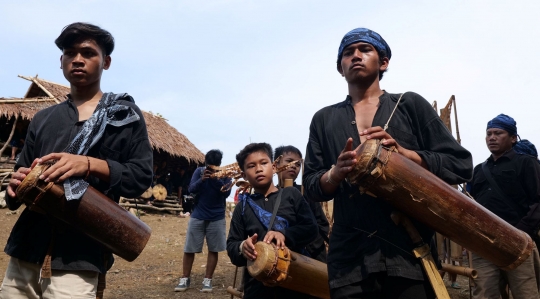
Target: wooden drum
[(384, 173), (94, 214), (290, 270)]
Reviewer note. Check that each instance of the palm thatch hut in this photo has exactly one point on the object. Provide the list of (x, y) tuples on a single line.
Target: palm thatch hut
[(171, 148)]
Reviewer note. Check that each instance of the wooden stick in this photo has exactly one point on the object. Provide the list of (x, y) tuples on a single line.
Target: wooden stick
[(34, 80), (170, 201), (234, 281), (302, 186), (457, 124), (147, 207), (154, 203), (14, 101), (10, 136), (234, 292), (164, 204), (459, 270)]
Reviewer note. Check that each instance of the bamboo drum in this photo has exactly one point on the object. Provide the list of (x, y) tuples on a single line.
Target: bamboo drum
[(290, 270), (408, 187), (94, 214)]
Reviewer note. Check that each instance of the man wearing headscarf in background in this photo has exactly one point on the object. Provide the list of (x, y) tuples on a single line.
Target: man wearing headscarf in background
[(369, 256), (513, 194)]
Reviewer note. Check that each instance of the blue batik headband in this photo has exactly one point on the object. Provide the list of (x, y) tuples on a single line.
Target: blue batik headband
[(364, 35), (504, 122)]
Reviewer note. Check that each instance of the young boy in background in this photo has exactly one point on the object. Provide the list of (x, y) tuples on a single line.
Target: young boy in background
[(290, 154), (294, 225)]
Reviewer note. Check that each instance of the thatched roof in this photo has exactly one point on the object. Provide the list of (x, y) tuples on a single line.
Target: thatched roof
[(42, 94), (26, 108), (166, 138)]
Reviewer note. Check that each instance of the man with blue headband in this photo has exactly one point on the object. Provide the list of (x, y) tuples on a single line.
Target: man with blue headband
[(508, 184), (369, 256)]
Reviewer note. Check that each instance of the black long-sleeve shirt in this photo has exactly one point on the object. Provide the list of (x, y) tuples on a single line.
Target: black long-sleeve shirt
[(301, 231), (128, 154), (317, 248), (364, 239), (518, 176)]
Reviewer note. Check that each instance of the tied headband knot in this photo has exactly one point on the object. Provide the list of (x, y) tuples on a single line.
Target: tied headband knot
[(526, 147), (367, 36)]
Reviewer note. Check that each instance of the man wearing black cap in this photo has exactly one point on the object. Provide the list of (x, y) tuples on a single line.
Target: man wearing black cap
[(508, 185), (369, 256)]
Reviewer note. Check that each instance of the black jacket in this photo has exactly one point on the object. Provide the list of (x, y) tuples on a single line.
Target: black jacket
[(364, 239), (518, 176), (301, 231), (128, 153)]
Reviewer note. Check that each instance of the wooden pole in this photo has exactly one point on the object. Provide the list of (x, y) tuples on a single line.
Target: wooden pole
[(147, 207), (12, 101), (10, 136), (35, 81), (459, 270), (472, 283), (455, 114)]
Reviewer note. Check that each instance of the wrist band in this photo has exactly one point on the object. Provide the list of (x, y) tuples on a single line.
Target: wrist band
[(242, 245), (329, 177), (88, 170)]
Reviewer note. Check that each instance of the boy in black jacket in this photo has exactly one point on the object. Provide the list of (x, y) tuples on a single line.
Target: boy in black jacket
[(97, 139), (294, 225), (290, 154)]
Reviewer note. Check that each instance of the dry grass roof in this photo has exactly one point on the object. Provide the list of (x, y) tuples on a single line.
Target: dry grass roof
[(26, 108), (42, 94)]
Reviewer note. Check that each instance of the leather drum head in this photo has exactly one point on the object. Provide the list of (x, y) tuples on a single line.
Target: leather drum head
[(265, 262)]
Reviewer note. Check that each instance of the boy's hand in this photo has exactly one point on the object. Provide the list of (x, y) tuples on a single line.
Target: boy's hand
[(67, 166), (273, 235), (17, 177), (248, 248)]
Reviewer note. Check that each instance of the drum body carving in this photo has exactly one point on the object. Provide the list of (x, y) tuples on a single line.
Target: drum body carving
[(94, 214), (408, 187), (290, 270)]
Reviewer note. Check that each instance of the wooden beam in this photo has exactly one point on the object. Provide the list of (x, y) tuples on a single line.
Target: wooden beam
[(34, 80), (147, 207), (26, 100), (453, 98)]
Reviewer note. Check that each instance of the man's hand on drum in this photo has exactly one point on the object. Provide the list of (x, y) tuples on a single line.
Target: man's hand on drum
[(17, 177), (248, 248), (344, 165), (66, 166), (388, 141), (345, 162), (274, 235)]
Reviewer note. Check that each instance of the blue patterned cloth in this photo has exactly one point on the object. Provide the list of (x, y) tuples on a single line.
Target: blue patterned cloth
[(264, 216), (107, 113), (367, 36), (526, 147), (504, 122)]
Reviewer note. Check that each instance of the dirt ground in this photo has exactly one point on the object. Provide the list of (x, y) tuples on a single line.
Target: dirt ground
[(155, 273)]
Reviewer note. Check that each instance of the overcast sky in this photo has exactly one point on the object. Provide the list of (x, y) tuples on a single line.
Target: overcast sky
[(226, 73)]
